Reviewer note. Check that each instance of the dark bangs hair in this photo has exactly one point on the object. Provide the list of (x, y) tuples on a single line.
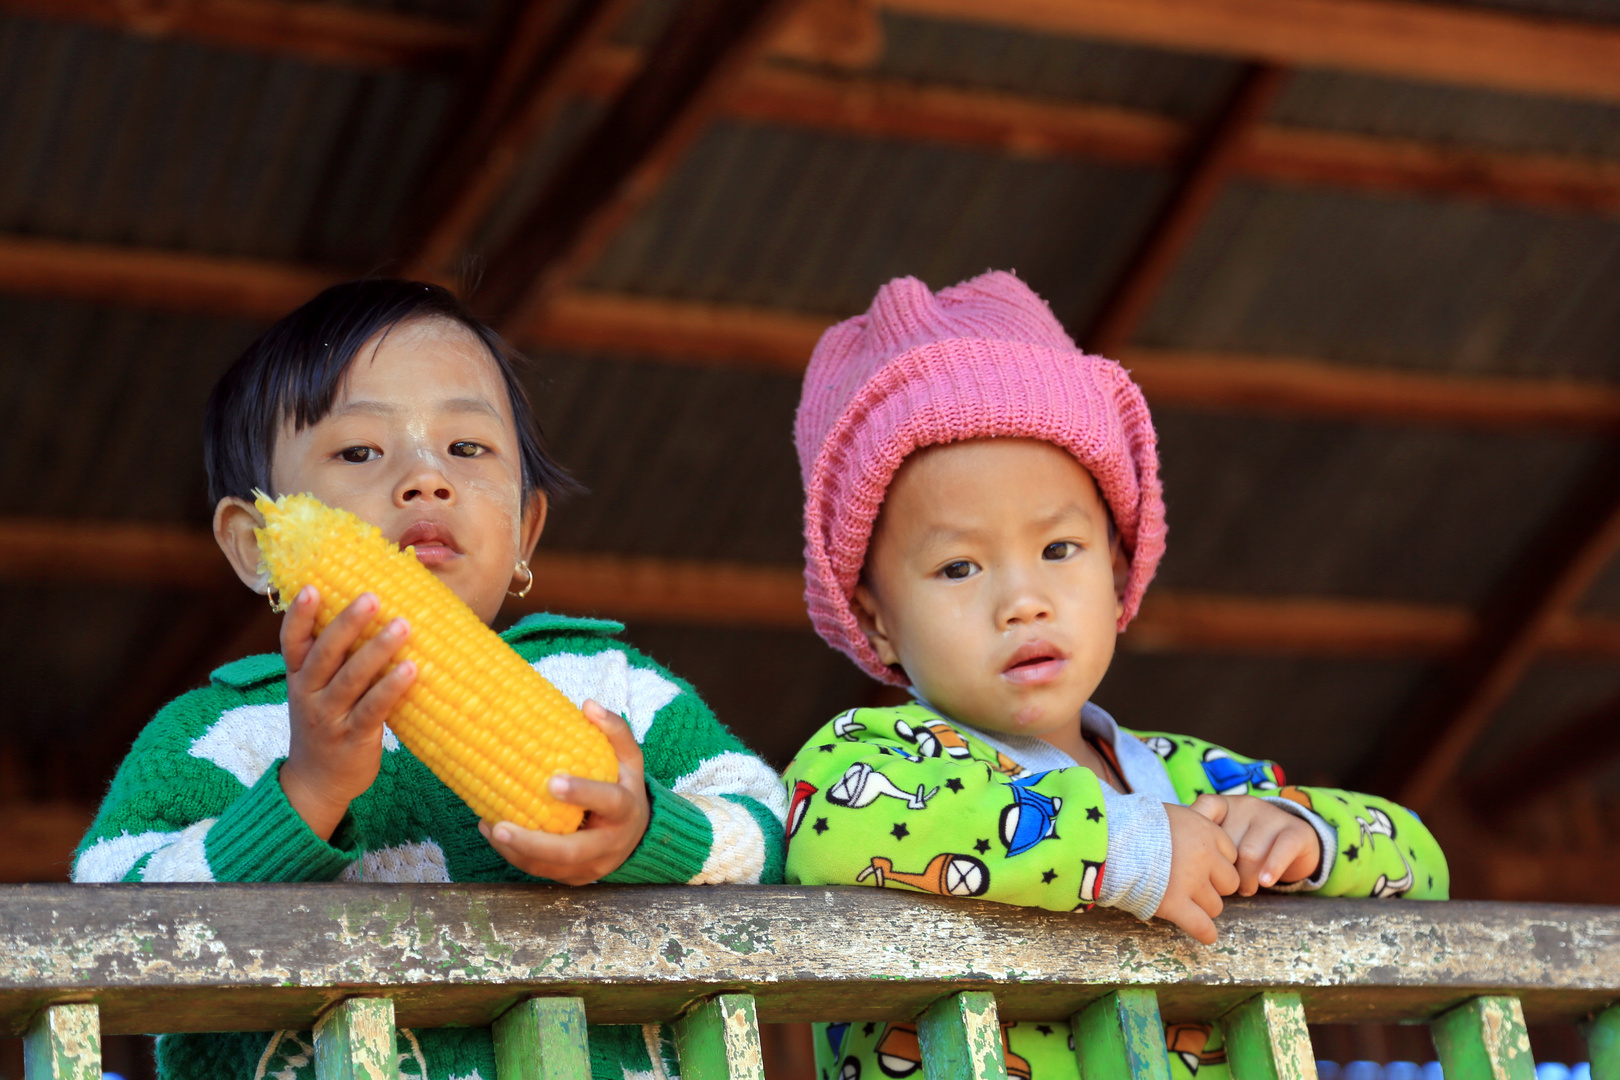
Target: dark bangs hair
[(293, 371)]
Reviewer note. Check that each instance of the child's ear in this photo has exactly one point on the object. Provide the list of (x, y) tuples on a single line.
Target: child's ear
[(870, 618), (534, 523), (1122, 573), (234, 522)]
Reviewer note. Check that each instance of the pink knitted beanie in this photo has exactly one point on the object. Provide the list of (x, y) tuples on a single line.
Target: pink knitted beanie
[(981, 359)]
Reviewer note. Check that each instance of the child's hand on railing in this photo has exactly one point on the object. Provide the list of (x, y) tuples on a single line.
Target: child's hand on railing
[(615, 823), (1272, 844), (1201, 872), (336, 706)]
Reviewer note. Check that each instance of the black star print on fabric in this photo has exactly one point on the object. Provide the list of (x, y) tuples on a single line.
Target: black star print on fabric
[(821, 825), (1431, 881), (900, 831), (867, 1029), (981, 846), (1044, 1029), (1093, 814), (1412, 853), (826, 748), (1049, 877), (954, 784), (884, 750), (1351, 852)]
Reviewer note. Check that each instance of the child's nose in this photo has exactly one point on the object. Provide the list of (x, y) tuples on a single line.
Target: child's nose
[(424, 480), (1024, 604)]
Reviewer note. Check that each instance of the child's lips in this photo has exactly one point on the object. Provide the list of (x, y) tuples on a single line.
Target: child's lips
[(1034, 663), (433, 543), (1035, 672)]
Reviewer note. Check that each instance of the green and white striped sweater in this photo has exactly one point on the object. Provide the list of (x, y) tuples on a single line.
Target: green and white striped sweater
[(199, 799)]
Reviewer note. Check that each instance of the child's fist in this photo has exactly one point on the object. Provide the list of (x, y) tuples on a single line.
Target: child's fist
[(1272, 844), (615, 823), (1201, 872)]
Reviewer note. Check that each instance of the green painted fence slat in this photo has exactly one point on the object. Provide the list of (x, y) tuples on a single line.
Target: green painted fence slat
[(63, 1043), (1603, 1044), (719, 1040), (961, 1038), (355, 1040), (542, 1038), (1484, 1039), (1120, 1037), (1266, 1039)]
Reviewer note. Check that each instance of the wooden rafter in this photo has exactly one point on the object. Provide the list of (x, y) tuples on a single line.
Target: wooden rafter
[(1434, 42), (1209, 160), (162, 280), (326, 33), (624, 159), (688, 332), (1517, 624), (886, 108), (537, 63), (739, 594), (1574, 750)]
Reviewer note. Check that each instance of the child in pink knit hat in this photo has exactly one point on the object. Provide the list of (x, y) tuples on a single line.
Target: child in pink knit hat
[(982, 516)]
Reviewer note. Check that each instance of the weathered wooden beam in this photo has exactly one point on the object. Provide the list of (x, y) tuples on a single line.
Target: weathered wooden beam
[(1209, 160), (960, 1037), (695, 591), (355, 1040), (625, 157), (719, 1040), (1266, 1039), (276, 958), (1484, 1039), (1517, 624), (326, 33), (63, 1043), (1573, 751), (1121, 1037), (1431, 42), (532, 73), (543, 1038), (694, 332)]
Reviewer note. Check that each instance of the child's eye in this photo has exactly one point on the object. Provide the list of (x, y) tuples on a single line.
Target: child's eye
[(358, 455), (1059, 550), (958, 570), (465, 449)]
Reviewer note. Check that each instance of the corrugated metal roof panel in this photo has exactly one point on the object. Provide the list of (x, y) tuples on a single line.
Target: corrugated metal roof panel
[(1413, 283), (814, 222), (103, 409), (171, 144)]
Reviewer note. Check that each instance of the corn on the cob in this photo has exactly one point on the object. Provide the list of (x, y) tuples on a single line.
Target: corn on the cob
[(487, 724)]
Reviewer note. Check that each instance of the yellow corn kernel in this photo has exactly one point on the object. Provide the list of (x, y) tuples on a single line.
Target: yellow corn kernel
[(496, 758)]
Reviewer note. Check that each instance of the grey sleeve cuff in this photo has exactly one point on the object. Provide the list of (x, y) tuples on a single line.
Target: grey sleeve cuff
[(1324, 832), (1138, 870)]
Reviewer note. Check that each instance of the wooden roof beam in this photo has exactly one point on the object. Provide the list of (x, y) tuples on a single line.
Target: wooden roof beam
[(1209, 160), (625, 158), (322, 32), (701, 592), (532, 72), (1444, 43), (884, 108), (1518, 623)]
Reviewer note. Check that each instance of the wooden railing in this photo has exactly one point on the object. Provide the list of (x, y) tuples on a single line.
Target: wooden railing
[(352, 961)]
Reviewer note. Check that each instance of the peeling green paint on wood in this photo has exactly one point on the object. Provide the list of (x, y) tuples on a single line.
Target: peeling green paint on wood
[(719, 1040), (1484, 1038), (960, 1038), (355, 1040), (1266, 1039), (1121, 1037), (64, 1043), (1603, 1044), (542, 1039)]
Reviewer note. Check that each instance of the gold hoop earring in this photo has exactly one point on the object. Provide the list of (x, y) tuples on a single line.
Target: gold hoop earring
[(527, 585)]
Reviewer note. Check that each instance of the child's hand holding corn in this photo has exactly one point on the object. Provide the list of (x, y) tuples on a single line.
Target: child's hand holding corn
[(615, 821), (337, 704)]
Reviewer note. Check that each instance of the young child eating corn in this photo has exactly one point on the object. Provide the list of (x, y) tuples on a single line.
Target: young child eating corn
[(387, 399), (982, 516)]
